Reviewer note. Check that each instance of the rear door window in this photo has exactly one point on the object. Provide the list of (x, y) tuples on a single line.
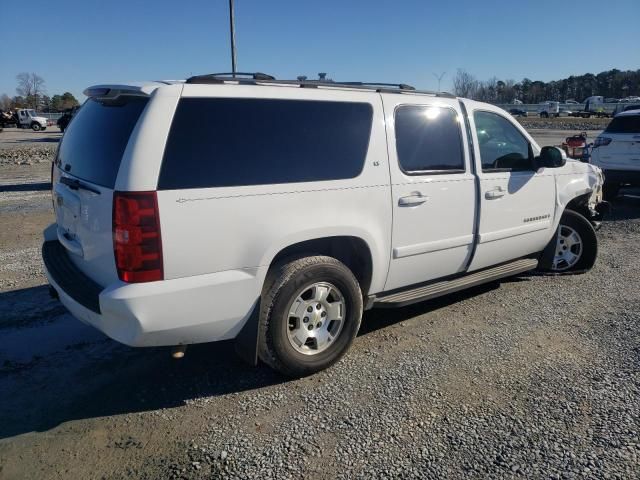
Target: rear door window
[(94, 142), (428, 139), (224, 142), (624, 124)]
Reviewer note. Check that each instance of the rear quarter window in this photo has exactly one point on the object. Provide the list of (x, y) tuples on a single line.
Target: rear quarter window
[(95, 140), (224, 142), (624, 124)]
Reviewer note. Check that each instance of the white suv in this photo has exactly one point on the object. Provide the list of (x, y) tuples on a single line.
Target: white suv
[(617, 152), (275, 212)]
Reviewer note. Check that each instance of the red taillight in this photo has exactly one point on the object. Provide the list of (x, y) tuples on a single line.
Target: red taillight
[(136, 236), (601, 142)]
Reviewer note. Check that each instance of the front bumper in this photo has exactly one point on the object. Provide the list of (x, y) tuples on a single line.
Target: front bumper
[(197, 309)]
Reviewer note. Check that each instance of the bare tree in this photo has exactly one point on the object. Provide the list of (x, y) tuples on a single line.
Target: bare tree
[(464, 84), (5, 102), (30, 86)]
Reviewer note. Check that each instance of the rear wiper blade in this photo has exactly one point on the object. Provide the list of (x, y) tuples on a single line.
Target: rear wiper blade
[(75, 184)]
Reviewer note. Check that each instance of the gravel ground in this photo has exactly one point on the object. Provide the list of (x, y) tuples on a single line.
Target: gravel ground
[(539, 378), (535, 377)]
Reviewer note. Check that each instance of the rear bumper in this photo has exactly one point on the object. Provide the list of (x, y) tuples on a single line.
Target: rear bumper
[(202, 308)]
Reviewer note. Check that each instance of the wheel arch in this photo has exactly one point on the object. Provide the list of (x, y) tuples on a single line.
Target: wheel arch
[(351, 250), (580, 204)]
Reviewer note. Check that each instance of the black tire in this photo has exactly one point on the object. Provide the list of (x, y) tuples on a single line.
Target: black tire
[(587, 234), (544, 115), (284, 283), (35, 126), (610, 191)]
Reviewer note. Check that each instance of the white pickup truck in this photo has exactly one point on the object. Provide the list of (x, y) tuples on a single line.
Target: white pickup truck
[(28, 118), (289, 207)]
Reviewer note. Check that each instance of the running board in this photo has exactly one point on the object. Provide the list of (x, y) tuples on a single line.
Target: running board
[(444, 287)]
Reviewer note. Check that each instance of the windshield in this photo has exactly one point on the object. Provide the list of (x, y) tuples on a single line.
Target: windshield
[(31, 113), (93, 145)]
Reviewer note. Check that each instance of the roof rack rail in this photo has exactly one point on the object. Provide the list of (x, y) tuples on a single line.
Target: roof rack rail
[(401, 86), (262, 78), (228, 76)]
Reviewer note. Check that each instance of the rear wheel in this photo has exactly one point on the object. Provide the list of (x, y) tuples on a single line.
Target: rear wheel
[(576, 244), (310, 314)]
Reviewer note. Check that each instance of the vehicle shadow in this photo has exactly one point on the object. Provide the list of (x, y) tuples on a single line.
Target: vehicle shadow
[(26, 187), (626, 206), (92, 376), (40, 139), (379, 318)]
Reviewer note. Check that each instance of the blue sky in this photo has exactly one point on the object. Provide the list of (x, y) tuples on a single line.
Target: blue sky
[(77, 43)]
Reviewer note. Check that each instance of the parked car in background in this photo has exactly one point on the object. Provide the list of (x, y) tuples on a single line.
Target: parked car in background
[(553, 109), (66, 117), (617, 152), (549, 109), (623, 107), (593, 107), (518, 112), (28, 118), (571, 102), (285, 211)]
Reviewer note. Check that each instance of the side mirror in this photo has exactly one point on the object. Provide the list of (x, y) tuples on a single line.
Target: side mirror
[(551, 157)]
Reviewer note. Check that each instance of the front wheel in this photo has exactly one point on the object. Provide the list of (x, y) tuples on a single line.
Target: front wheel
[(309, 315), (576, 245), (36, 127)]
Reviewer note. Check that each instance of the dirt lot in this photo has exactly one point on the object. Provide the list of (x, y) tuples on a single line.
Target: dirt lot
[(534, 377)]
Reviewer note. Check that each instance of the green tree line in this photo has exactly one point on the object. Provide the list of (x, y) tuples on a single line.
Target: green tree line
[(615, 84)]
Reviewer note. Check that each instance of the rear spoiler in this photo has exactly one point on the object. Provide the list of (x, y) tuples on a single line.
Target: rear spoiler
[(113, 91)]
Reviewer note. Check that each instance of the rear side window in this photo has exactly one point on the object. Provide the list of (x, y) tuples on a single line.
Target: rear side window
[(93, 144), (428, 139), (224, 142), (624, 124)]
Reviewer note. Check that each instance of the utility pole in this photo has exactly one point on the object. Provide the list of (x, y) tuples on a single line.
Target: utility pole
[(232, 30), (439, 77)]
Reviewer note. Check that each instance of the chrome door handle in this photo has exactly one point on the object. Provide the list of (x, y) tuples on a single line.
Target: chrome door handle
[(412, 200), (495, 193)]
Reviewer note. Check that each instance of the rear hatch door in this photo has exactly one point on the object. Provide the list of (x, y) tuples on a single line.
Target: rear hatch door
[(623, 152), (84, 178)]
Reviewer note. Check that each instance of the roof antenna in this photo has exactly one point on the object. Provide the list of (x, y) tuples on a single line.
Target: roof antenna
[(232, 30)]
